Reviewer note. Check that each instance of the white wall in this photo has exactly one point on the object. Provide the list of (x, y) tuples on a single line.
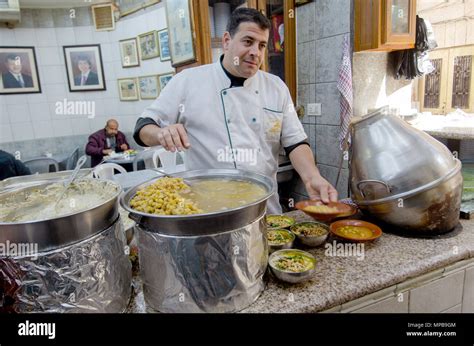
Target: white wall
[(375, 86), (32, 116), (452, 20)]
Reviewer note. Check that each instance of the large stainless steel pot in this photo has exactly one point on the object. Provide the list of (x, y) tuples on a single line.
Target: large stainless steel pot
[(206, 262), (19, 182), (203, 224), (73, 263), (403, 176), (51, 233), (93, 275)]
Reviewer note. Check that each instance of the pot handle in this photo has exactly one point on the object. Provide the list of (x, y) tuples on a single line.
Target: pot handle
[(371, 181), (135, 217)]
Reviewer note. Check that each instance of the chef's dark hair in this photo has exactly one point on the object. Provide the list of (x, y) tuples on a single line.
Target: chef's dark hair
[(242, 15)]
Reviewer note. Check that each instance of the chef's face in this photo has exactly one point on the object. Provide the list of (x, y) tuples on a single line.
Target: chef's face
[(246, 49), (14, 66)]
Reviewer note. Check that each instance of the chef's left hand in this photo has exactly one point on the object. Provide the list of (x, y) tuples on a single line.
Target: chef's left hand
[(319, 189), (124, 147)]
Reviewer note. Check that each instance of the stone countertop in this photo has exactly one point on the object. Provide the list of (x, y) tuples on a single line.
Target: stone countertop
[(451, 133), (442, 127), (389, 260)]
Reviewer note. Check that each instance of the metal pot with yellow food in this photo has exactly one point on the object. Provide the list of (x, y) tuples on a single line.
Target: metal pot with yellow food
[(214, 218)]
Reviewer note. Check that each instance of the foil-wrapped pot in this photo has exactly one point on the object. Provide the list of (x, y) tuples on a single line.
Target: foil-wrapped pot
[(214, 273), (93, 275), (212, 261)]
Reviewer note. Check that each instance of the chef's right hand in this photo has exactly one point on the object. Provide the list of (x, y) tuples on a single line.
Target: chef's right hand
[(107, 151), (173, 138)]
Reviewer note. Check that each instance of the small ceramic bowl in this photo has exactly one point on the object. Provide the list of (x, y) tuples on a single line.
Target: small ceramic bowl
[(373, 232), (334, 210)]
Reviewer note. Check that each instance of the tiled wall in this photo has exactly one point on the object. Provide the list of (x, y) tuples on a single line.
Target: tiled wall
[(29, 121), (321, 27)]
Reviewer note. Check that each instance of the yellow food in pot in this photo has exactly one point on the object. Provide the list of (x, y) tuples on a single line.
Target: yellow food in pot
[(162, 197)]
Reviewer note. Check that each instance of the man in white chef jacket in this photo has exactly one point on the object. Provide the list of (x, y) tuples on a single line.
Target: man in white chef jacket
[(230, 114)]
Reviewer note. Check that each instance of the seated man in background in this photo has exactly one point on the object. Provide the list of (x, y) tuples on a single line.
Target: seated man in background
[(106, 141), (11, 167)]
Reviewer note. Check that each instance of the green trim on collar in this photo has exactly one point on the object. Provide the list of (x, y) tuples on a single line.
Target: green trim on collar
[(227, 127)]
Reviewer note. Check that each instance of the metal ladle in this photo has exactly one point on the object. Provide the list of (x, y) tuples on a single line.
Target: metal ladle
[(79, 164), (36, 206)]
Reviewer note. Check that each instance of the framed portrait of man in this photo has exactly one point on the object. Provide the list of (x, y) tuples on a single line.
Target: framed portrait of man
[(148, 43), (84, 68), (18, 71), (129, 52)]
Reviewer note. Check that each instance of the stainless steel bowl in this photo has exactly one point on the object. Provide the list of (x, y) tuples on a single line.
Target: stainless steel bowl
[(290, 276), (290, 219), (287, 245), (311, 240)]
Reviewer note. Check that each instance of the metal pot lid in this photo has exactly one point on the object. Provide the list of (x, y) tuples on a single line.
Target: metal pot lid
[(390, 157)]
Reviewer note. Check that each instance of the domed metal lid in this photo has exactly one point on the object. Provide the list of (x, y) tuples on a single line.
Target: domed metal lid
[(390, 157)]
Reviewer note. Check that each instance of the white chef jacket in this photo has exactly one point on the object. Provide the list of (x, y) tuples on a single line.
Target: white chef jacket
[(223, 122)]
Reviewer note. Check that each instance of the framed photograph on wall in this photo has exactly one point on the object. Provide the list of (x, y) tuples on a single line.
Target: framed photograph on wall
[(164, 79), (84, 67), (148, 87), (18, 71), (180, 30), (164, 45), (148, 44), (129, 52), (128, 90)]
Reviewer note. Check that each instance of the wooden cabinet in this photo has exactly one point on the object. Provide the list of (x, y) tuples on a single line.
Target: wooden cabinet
[(281, 61), (384, 25)]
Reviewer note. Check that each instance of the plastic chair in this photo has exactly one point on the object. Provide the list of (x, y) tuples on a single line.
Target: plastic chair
[(72, 160), (107, 170), (168, 159), (41, 164), (148, 157)]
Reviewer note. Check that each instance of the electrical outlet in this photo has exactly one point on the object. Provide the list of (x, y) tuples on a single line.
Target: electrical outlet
[(314, 109)]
